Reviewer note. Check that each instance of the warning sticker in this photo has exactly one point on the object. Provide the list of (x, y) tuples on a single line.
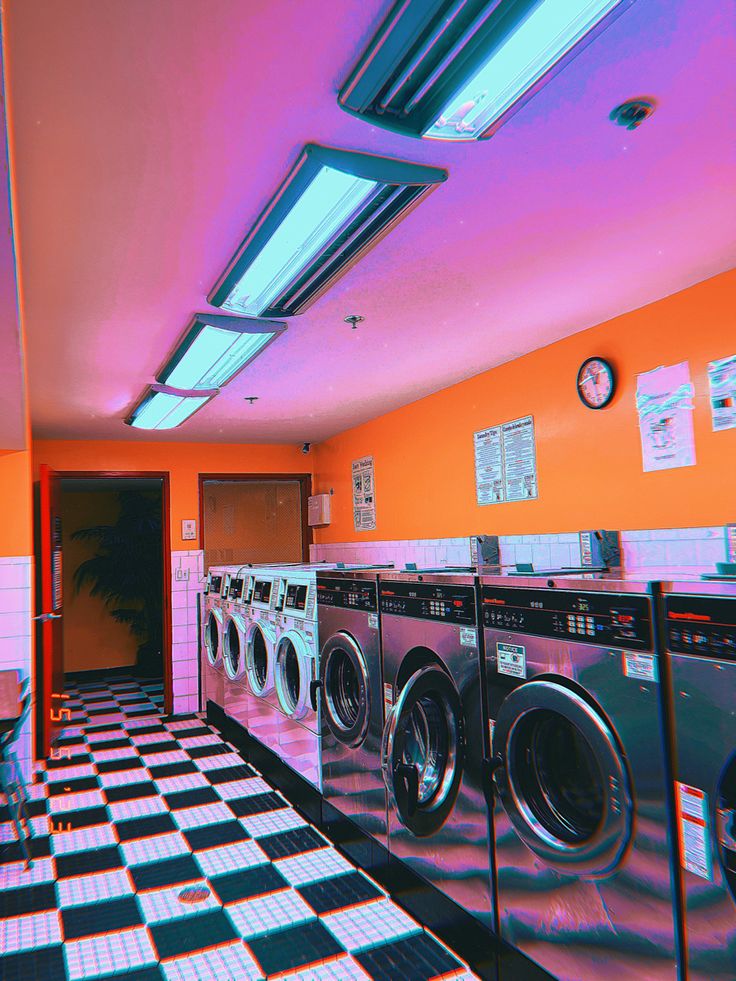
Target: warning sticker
[(642, 667), (468, 637), (692, 812), (373, 621), (511, 660), (388, 699)]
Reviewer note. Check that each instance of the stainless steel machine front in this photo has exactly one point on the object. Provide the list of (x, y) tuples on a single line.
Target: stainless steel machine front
[(351, 693), (700, 636), (432, 747), (585, 877)]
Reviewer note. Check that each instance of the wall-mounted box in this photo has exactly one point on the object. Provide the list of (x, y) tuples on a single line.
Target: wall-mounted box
[(318, 510)]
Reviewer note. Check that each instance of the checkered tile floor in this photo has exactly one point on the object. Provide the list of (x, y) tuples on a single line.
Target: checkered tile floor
[(118, 697), (130, 813)]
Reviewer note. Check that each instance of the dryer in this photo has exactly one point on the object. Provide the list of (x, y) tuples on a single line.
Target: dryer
[(584, 878), (699, 628), (432, 749)]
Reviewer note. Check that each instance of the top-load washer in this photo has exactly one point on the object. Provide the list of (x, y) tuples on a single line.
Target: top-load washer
[(699, 620), (584, 873), (432, 747)]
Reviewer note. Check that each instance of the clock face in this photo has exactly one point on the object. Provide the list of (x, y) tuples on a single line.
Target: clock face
[(595, 383)]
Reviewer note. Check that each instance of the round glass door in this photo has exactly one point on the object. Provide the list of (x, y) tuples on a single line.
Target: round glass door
[(727, 824), (561, 778), (212, 638), (293, 675), (423, 750), (346, 695), (231, 648), (258, 660)]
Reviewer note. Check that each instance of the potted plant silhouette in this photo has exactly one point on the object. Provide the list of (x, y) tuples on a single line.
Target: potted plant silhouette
[(126, 573)]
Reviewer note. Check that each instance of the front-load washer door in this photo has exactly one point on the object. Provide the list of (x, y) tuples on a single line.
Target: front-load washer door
[(259, 656), (562, 779), (294, 675), (726, 817), (213, 636), (232, 646), (346, 699), (423, 751)]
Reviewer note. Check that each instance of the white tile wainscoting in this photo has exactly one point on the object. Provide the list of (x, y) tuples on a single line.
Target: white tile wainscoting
[(187, 583), (16, 625)]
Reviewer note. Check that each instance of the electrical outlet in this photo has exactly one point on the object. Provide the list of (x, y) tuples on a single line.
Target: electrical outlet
[(182, 575)]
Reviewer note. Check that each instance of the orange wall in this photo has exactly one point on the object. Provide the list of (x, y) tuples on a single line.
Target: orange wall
[(184, 461), (92, 639), (16, 503), (589, 462)]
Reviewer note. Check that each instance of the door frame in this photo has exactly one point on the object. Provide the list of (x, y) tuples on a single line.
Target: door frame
[(165, 477), (305, 489)]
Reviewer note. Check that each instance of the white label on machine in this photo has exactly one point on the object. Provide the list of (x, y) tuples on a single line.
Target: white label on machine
[(388, 699), (468, 637), (692, 811), (373, 621), (642, 667), (511, 660)]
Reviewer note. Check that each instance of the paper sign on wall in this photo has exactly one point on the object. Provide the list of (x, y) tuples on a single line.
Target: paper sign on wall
[(664, 401), (506, 462), (364, 494), (722, 380)]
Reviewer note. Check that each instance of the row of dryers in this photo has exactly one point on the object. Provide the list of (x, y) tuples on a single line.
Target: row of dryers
[(556, 757)]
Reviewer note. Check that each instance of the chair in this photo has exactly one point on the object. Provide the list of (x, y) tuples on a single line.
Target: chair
[(12, 783)]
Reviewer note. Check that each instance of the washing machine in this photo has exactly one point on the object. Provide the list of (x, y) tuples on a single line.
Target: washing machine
[(699, 620), (432, 748), (351, 702), (583, 827), (262, 709), (212, 620), (234, 641)]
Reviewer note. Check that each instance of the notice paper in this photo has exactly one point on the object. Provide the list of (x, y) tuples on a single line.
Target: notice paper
[(664, 401), (506, 462), (364, 496), (722, 380)]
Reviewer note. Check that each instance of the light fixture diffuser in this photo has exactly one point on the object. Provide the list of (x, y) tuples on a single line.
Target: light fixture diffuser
[(332, 207), (162, 407), (215, 348), (458, 69)]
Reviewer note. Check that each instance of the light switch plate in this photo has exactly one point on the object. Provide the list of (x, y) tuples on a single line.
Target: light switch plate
[(189, 530)]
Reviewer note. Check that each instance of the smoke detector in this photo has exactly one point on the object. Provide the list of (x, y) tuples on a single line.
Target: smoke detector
[(632, 113)]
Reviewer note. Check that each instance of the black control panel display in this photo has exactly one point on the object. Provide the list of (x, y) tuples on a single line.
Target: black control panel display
[(350, 594), (704, 625), (214, 584), (262, 591), (608, 619), (296, 597), (444, 602), (236, 589)]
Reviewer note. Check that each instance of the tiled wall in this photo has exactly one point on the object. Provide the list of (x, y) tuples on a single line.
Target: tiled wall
[(187, 582), (16, 604), (682, 547)]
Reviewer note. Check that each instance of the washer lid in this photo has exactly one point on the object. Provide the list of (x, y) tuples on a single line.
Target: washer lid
[(562, 779)]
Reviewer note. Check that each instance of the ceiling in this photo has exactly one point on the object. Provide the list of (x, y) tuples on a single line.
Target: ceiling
[(146, 136)]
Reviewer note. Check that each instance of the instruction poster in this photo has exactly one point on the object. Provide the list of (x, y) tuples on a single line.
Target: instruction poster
[(664, 402), (722, 380), (506, 462), (364, 494)]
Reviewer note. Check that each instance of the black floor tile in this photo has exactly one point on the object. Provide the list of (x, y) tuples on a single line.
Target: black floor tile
[(108, 710), (169, 872), (297, 945), (100, 917), (131, 791), (153, 749), (103, 727), (83, 818), (39, 846), (256, 804), (151, 973), (213, 749), (339, 892), (171, 770), (68, 741), (104, 745), (190, 798), (131, 699), (192, 933), (113, 766), (77, 759), (194, 731), (248, 883), (40, 964), (216, 834), (147, 730), (73, 786), (291, 842), (27, 899), (95, 860), (229, 773), (145, 827), (418, 957)]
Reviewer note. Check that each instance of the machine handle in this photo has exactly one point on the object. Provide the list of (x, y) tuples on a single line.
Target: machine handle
[(314, 687), (409, 773), (43, 617)]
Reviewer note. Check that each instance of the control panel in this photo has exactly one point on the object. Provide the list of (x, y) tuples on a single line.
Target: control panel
[(607, 619), (443, 602), (704, 625), (296, 596), (214, 584), (262, 591), (349, 594), (225, 590), (236, 588)]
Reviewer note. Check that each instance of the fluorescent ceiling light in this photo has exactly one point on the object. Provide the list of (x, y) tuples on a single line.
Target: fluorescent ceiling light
[(215, 348), (332, 207), (458, 69), (166, 408)]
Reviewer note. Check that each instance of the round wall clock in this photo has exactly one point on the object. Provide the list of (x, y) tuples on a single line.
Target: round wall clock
[(596, 383)]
